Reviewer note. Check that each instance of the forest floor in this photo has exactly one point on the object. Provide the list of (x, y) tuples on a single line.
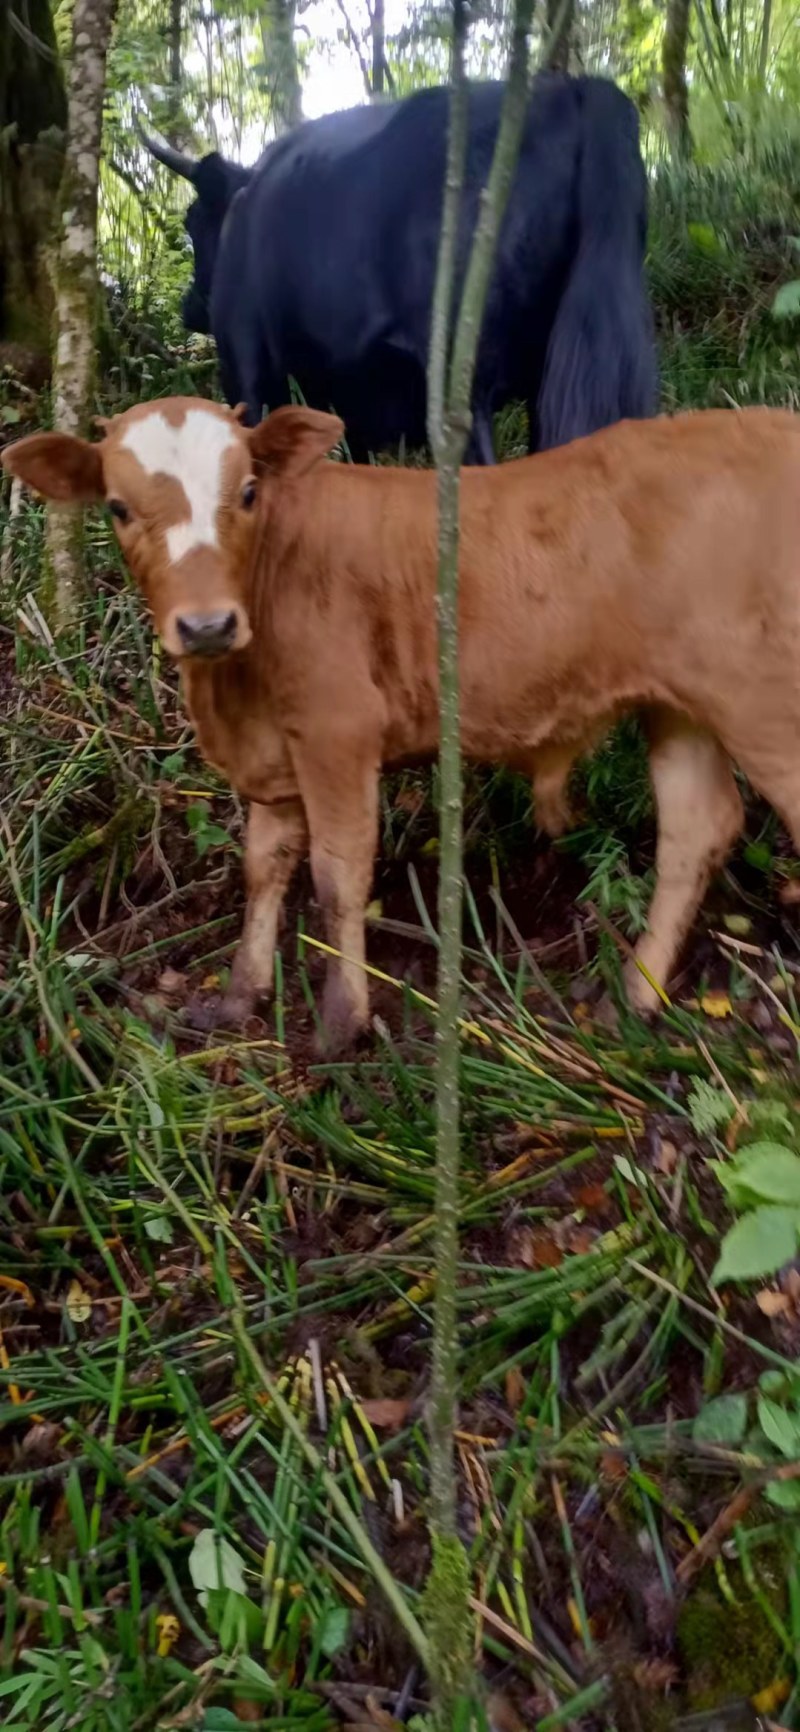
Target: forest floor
[(628, 1431), (216, 1272)]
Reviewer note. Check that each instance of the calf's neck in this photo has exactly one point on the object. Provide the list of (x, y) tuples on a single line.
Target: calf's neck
[(654, 566)]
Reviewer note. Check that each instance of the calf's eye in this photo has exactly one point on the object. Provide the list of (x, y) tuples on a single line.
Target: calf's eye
[(119, 510), (248, 495)]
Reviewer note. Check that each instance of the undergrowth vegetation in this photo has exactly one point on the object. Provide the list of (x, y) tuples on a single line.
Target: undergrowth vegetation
[(216, 1275)]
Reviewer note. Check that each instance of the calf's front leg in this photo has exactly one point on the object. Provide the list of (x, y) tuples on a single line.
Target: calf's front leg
[(342, 812), (277, 836)]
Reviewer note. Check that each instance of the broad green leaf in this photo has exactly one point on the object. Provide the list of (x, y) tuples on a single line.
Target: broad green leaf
[(333, 1634), (786, 304), (783, 1386), (764, 1172), (234, 1618), (784, 1494), (781, 1428), (160, 1228), (220, 1720), (758, 1245), (253, 1674), (213, 1563), (173, 765), (722, 1421), (10, 415)]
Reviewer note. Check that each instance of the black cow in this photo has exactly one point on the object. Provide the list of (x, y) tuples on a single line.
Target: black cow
[(319, 264)]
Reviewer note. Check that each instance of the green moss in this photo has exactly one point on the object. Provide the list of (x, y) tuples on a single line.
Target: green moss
[(727, 1650)]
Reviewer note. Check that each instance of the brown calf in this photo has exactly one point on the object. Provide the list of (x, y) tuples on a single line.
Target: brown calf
[(655, 566)]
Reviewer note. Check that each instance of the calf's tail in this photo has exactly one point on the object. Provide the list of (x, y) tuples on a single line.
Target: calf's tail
[(600, 365)]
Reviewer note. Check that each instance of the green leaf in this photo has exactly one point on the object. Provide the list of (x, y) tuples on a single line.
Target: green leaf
[(780, 1428), (234, 1618), (335, 1627), (213, 1563), (765, 1173), (722, 1421), (758, 1245), (220, 1720), (786, 304), (173, 765), (708, 1107), (159, 1227), (785, 1494), (705, 238), (10, 416), (253, 1674), (760, 856)]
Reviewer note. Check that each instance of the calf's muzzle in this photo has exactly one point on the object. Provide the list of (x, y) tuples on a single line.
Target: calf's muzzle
[(207, 634)]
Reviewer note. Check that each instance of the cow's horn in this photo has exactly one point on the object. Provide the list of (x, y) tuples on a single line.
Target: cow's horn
[(173, 159)]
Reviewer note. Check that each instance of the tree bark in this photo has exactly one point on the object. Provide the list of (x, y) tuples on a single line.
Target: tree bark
[(33, 114), (173, 130), (76, 281), (280, 59), (449, 421), (378, 29), (673, 61), (560, 19)]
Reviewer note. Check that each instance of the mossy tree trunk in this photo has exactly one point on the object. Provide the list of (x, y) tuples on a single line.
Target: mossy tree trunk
[(33, 113), (378, 34), (673, 62), (76, 281), (280, 60), (560, 21)]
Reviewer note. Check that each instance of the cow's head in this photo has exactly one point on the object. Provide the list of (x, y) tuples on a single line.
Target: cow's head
[(189, 490), (216, 183)]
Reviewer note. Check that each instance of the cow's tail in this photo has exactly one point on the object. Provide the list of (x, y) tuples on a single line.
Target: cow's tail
[(600, 365)]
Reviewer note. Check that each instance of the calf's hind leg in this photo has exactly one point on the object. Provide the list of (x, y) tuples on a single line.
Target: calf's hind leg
[(699, 816)]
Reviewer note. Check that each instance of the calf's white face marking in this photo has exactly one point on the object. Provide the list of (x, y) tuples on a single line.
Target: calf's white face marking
[(192, 454)]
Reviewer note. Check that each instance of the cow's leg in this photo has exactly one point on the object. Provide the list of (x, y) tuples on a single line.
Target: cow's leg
[(699, 816), (277, 836), (550, 774), (480, 445), (342, 816)]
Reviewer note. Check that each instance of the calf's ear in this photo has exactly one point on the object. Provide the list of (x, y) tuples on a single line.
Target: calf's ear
[(57, 465), (292, 440)]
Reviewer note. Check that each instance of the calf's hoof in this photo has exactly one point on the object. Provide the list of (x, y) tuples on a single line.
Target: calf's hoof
[(344, 1023), (229, 1011), (606, 1015), (642, 997)]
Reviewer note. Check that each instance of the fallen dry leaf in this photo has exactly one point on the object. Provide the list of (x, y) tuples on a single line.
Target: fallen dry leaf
[(171, 983), (613, 1465), (386, 1415), (776, 1693), (579, 1240), (502, 1715), (716, 1004), (594, 1199), (78, 1304), (515, 1388), (654, 1674), (772, 1303), (666, 1158)]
